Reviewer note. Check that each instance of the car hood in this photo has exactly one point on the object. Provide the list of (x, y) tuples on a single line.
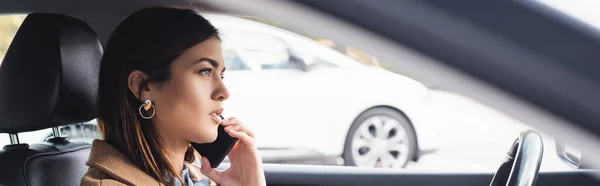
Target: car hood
[(371, 80)]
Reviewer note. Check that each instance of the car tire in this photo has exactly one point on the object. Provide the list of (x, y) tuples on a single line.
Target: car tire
[(374, 150)]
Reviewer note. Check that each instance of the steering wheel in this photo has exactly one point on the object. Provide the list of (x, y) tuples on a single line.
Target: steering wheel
[(522, 164)]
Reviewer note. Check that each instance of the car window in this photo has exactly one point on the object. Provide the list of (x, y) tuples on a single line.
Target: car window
[(314, 54), (270, 52), (371, 117), (9, 24), (309, 50), (233, 62), (360, 116), (257, 50)]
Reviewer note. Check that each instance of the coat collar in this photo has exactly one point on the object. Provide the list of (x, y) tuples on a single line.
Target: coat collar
[(109, 160)]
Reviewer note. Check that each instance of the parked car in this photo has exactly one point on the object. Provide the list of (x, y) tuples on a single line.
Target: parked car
[(274, 74)]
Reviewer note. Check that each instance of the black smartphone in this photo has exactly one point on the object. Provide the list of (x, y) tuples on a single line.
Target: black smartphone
[(216, 151)]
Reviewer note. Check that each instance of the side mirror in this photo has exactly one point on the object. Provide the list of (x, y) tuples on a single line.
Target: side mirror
[(299, 63), (569, 154)]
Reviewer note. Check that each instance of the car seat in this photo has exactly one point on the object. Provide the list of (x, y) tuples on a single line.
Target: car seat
[(48, 78)]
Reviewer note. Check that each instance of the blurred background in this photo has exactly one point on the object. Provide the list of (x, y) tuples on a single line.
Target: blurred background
[(363, 122)]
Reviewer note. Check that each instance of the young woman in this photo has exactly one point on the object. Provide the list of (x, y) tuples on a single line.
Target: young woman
[(160, 89)]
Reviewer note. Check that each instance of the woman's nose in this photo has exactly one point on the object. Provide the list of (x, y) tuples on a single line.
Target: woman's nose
[(221, 93)]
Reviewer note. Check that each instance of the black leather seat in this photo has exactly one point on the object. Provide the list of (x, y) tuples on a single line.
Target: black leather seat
[(49, 78)]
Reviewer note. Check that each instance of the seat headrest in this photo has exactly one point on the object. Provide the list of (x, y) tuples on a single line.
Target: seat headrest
[(49, 75)]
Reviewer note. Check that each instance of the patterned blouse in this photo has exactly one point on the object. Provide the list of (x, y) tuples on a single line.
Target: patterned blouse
[(185, 174)]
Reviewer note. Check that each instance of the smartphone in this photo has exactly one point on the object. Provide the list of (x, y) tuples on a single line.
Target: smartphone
[(216, 151)]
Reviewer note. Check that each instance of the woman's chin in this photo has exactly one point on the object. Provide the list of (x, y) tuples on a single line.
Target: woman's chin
[(206, 139), (213, 136), (206, 136)]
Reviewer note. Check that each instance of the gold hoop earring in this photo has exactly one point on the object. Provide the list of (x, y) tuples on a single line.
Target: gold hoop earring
[(147, 105)]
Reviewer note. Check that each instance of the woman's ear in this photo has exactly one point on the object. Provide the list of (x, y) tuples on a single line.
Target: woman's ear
[(138, 84)]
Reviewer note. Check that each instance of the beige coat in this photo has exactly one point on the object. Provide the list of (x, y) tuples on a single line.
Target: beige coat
[(109, 167)]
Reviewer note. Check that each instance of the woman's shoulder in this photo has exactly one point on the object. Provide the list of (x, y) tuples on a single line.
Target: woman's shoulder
[(95, 177), (107, 166)]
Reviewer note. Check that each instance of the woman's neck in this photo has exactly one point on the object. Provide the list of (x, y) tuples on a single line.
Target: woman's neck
[(176, 148)]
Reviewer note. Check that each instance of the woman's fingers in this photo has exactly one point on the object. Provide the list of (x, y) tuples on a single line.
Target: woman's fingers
[(248, 131), (230, 121), (242, 136), (234, 127), (234, 124), (213, 174)]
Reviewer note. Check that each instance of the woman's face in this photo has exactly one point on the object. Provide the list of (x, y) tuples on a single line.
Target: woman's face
[(187, 103)]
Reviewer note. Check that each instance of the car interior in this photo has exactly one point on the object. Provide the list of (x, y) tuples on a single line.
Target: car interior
[(55, 86), (506, 54)]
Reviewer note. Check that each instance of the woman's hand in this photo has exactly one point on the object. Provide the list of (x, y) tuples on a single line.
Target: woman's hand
[(246, 166)]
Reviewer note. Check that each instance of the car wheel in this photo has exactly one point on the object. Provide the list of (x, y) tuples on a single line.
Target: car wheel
[(380, 137), (80, 132)]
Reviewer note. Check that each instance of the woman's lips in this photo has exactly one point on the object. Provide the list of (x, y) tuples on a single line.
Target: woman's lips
[(215, 115)]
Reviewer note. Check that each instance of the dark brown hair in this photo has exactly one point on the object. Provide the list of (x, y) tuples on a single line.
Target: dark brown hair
[(149, 40)]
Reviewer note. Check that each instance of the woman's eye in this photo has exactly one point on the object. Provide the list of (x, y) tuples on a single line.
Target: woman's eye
[(222, 76), (205, 71)]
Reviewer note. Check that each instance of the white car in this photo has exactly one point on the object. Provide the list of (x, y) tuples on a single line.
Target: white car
[(286, 88)]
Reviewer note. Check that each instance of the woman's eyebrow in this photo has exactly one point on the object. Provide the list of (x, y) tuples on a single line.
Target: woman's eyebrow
[(209, 60)]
